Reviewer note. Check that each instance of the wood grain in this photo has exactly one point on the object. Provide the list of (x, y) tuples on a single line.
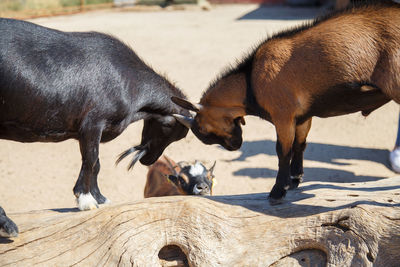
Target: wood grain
[(320, 224)]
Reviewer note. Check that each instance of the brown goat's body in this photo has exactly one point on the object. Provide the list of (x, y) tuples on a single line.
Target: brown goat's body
[(347, 63), (319, 71), (157, 183), (342, 63)]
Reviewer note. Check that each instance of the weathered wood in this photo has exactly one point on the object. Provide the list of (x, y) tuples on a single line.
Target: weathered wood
[(333, 224)]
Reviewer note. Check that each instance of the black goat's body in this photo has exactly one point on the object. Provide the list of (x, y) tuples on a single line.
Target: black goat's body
[(87, 86), (53, 83)]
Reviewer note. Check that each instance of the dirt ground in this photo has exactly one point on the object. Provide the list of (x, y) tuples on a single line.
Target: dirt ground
[(191, 47)]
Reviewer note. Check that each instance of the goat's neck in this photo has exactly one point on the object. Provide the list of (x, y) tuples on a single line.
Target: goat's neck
[(156, 97), (228, 92)]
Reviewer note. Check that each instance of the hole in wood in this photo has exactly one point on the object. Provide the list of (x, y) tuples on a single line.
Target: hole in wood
[(353, 195), (370, 257), (172, 256), (307, 257)]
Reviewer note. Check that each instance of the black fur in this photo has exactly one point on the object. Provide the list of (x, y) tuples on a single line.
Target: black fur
[(88, 86), (7, 227)]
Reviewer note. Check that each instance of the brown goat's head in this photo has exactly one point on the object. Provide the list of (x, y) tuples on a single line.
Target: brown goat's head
[(215, 125), (194, 179)]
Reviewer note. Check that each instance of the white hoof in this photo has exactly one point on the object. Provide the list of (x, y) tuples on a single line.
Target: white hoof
[(87, 202)]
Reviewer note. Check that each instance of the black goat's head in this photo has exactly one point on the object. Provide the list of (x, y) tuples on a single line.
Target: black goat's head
[(158, 132)]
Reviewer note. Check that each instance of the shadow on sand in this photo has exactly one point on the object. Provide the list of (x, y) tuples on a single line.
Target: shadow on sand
[(65, 210), (290, 209), (268, 12), (326, 153)]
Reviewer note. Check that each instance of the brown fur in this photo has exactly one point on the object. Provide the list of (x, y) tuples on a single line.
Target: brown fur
[(340, 64), (340, 4), (157, 183)]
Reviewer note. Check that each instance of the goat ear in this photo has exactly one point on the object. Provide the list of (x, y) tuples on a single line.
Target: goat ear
[(173, 179), (186, 104), (177, 180)]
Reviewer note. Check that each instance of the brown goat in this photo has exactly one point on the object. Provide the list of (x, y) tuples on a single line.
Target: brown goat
[(166, 178), (345, 62)]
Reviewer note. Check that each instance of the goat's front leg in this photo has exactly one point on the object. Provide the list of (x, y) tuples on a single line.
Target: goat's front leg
[(7, 227), (94, 188), (86, 191), (285, 137), (299, 145)]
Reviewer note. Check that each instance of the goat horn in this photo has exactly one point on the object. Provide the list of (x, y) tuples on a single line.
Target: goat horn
[(212, 167), (171, 166), (198, 106), (186, 121)]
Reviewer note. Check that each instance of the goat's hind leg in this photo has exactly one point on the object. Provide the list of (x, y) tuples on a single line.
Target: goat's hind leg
[(299, 145), (7, 227)]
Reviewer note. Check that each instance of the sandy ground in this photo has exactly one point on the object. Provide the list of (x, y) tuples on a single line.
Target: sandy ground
[(191, 47)]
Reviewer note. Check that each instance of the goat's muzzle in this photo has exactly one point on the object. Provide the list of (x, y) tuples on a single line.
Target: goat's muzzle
[(201, 189)]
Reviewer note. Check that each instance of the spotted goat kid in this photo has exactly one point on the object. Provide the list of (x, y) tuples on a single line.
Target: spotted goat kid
[(167, 178)]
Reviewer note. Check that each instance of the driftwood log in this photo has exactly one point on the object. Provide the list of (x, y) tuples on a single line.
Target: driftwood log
[(321, 224)]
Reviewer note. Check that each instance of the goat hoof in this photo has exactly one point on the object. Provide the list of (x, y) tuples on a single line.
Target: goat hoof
[(8, 229), (100, 199), (274, 202), (295, 181), (87, 202), (277, 195)]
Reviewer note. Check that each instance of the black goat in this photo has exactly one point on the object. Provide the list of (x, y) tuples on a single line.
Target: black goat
[(88, 86)]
